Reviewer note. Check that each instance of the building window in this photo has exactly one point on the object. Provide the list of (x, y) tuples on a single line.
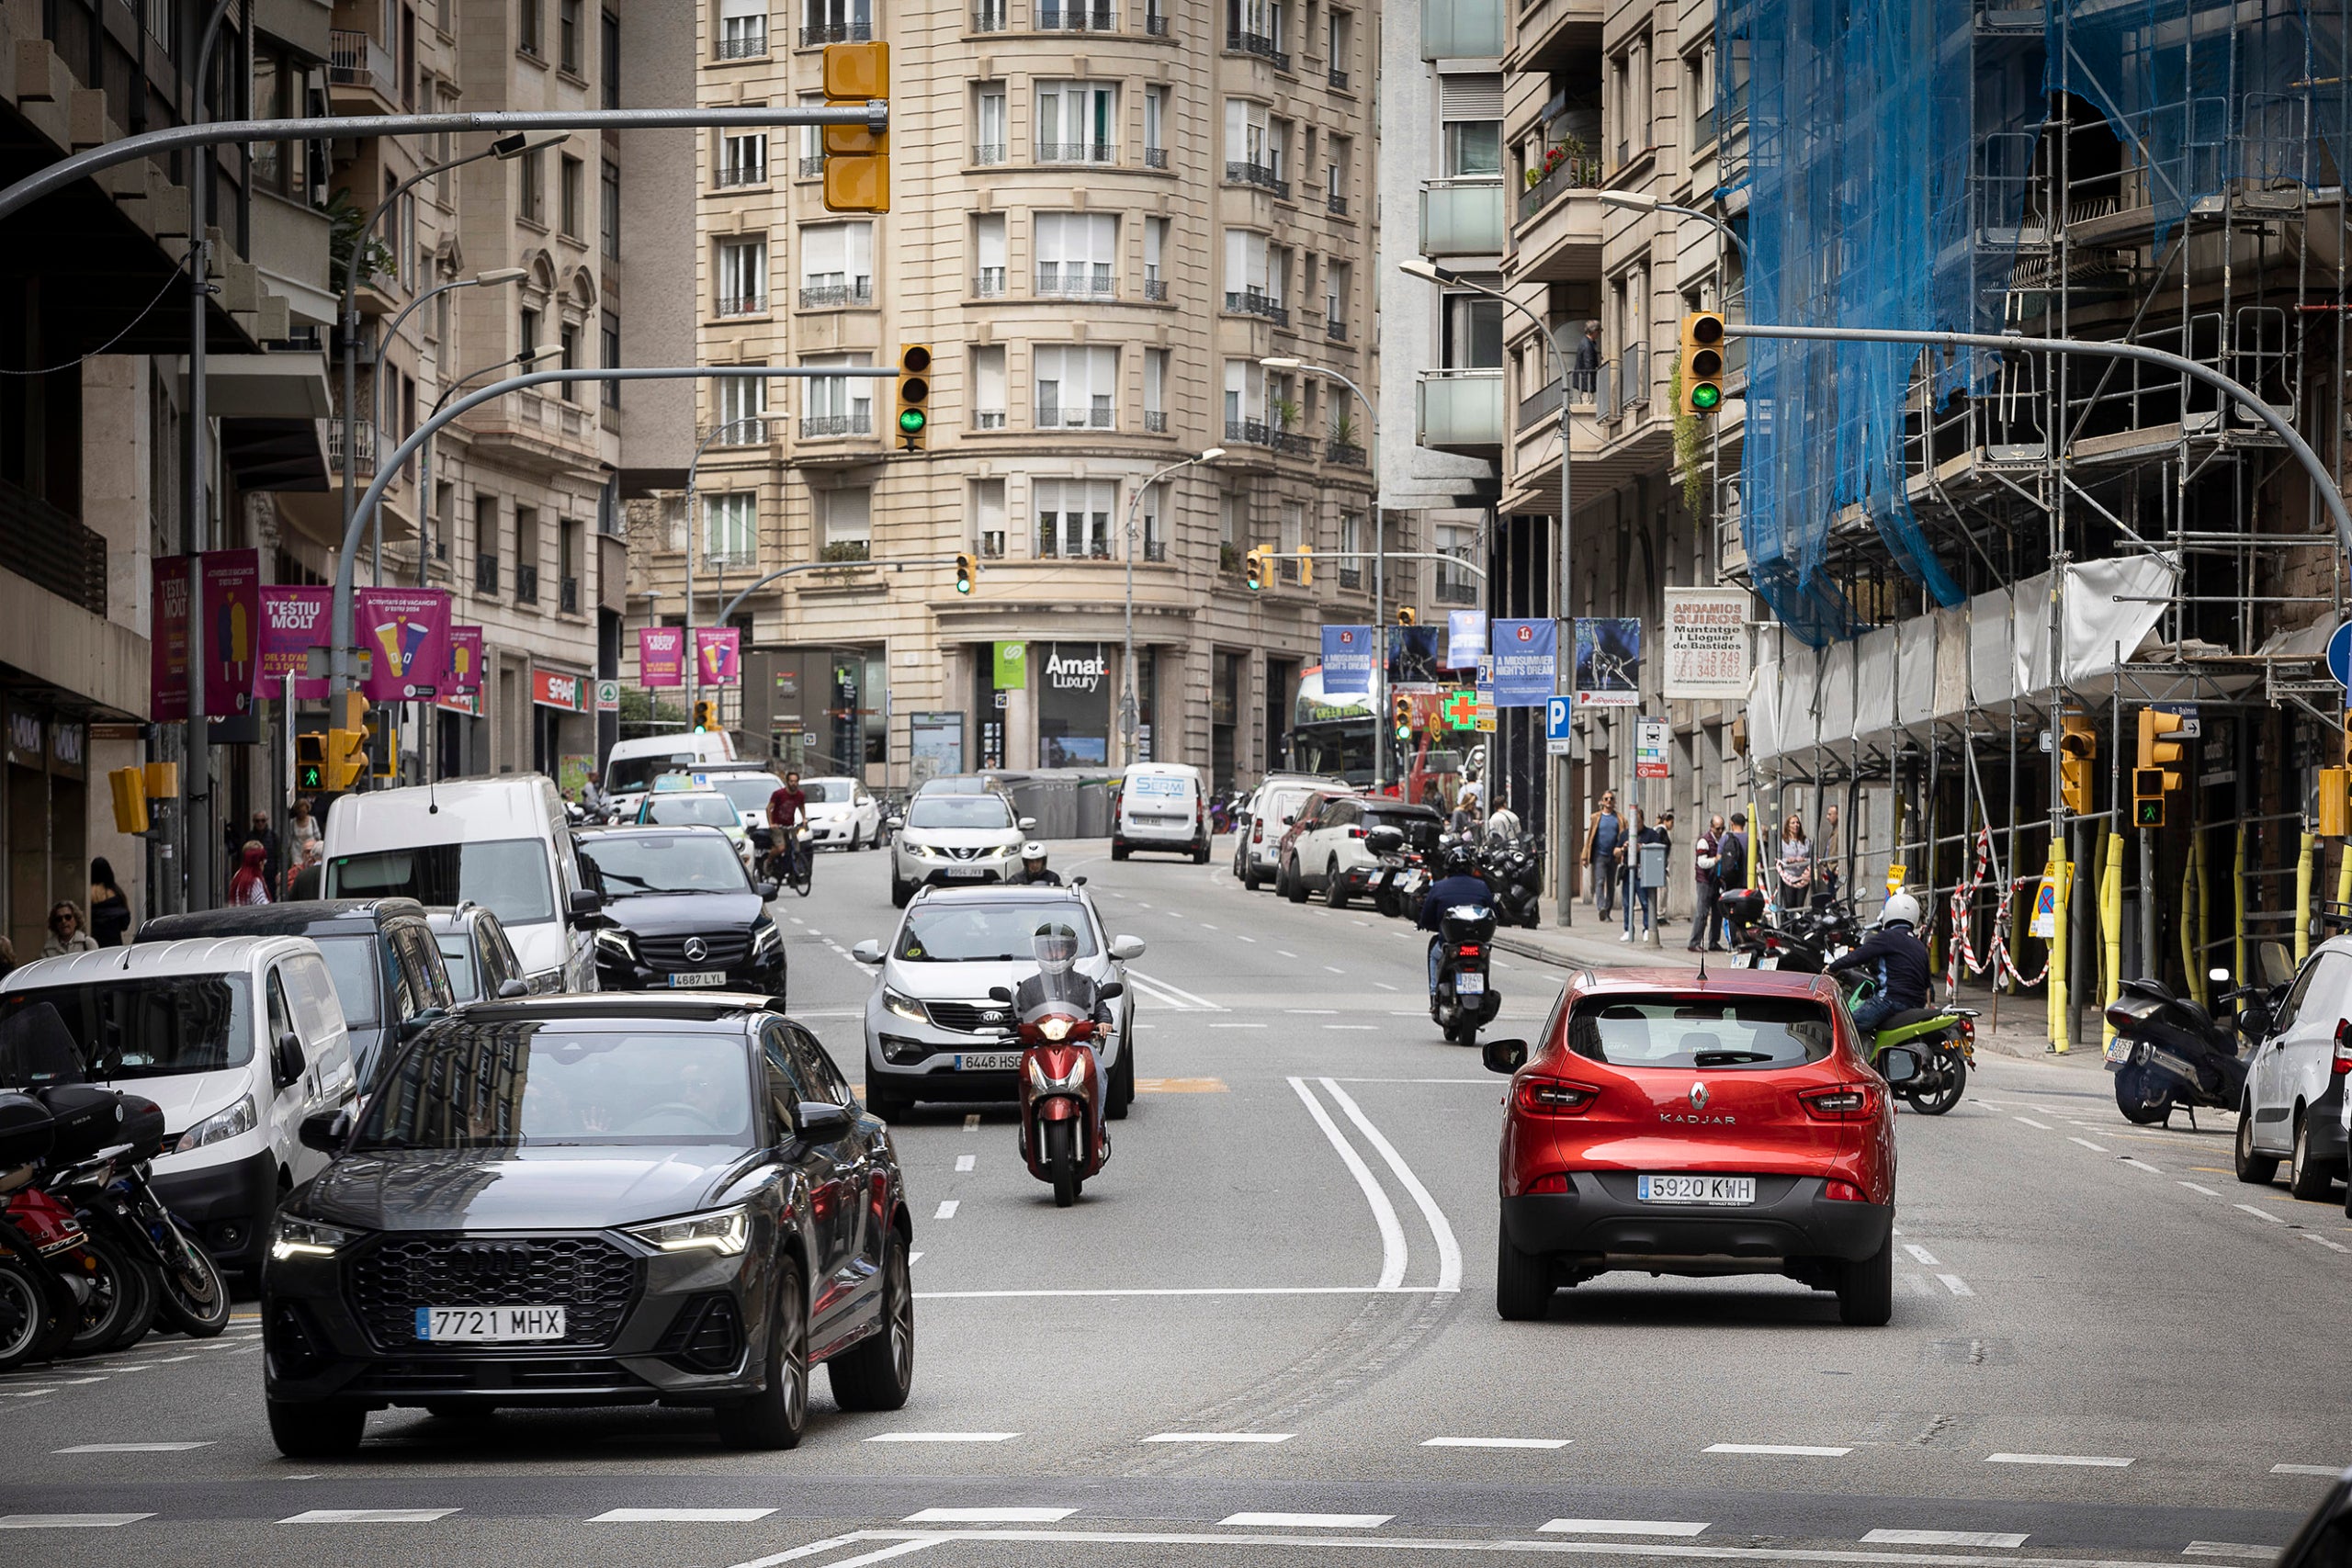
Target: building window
[(1245, 402), (730, 526), (1471, 332), (485, 544), (1077, 122), (1155, 390), (527, 38), (1074, 518), (836, 265), (742, 409), (989, 135), (609, 217), (567, 337), (1335, 299), (573, 197), (988, 386), (1339, 45), (1255, 145), (612, 358), (988, 518), (1155, 258), (742, 29), (1255, 276), (527, 555), (837, 21), (837, 405), (611, 35), (1155, 528), (988, 255), (1339, 153), (529, 333), (531, 169), (1075, 252), (744, 159), (845, 523), (1155, 128), (570, 45), (1077, 386), (1473, 148), (742, 277)]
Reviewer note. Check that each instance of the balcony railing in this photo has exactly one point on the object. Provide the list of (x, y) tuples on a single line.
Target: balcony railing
[(1156, 291), (1577, 171), (1347, 454), (1055, 17), (1294, 444), (1156, 421), (567, 595), (365, 444), (1155, 157), (1155, 550), (836, 296), (1250, 432), (1265, 176), (1338, 79), (846, 550), (989, 18), (1053, 416), (1054, 282), (1452, 591), (526, 585), (811, 166), (356, 60), (1074, 152), (732, 174), (486, 573), (988, 283), (1459, 409), (748, 44), (817, 33), (1335, 204), (1253, 302), (992, 544), (988, 419), (1464, 29), (816, 426), (1239, 42), (1336, 330), (742, 304), (1351, 577), (1462, 217), (987, 152), (1155, 22), (52, 550)]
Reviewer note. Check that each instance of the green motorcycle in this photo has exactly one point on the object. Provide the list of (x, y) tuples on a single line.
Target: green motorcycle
[(1944, 1039)]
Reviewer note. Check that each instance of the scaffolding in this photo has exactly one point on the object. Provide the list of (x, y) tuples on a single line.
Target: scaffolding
[(1961, 549)]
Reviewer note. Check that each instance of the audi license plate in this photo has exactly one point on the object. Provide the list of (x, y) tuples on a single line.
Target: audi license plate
[(988, 1060), (1727, 1190), (712, 978), (1469, 985), (490, 1323)]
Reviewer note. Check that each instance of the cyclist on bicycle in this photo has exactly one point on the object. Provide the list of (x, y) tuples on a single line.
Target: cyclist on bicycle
[(787, 810)]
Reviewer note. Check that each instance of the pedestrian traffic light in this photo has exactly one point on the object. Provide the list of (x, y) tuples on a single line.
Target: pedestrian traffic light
[(966, 569), (2152, 777), (1307, 566), (706, 715), (914, 395), (1407, 615), (1703, 362), (311, 762), (1253, 568), (857, 161), (383, 750), (2077, 745), (1400, 713)]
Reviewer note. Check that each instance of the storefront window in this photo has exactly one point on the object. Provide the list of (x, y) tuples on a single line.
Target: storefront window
[(1074, 705)]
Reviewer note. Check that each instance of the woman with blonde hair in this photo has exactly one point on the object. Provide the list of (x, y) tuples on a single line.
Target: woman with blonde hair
[(68, 931), (1796, 863)]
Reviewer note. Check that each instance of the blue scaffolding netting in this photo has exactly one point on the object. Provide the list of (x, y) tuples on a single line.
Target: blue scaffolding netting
[(1892, 155)]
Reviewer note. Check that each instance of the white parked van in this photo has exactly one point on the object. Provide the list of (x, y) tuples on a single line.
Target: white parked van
[(1161, 806), (237, 1038), (631, 766), (503, 843)]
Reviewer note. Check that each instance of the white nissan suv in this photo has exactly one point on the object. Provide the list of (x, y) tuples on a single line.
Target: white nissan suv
[(956, 840)]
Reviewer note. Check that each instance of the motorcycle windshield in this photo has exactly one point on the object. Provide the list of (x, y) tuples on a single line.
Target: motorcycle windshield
[(1067, 992)]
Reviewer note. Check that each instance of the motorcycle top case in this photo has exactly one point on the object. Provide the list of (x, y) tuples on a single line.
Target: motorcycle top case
[(27, 1130), (1467, 922), (142, 1126), (88, 1118)]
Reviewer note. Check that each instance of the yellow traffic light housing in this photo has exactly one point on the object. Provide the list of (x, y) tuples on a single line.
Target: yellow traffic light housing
[(2333, 815), (1400, 713), (1407, 615), (706, 715), (914, 397), (2157, 752), (2077, 745), (857, 161), (1253, 568), (383, 750), (311, 762), (966, 569), (1307, 566), (129, 787), (1703, 362)]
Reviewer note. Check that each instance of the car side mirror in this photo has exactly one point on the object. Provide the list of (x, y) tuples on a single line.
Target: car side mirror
[(1126, 947), (894, 822), (1000, 993), (1113, 991), (511, 987), (1898, 1064), (765, 888), (1027, 823), (820, 1119), (586, 901), (325, 1131), (867, 951), (1504, 1055), (285, 1059)]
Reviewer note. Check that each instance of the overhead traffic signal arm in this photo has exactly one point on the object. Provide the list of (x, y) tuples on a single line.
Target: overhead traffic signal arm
[(1703, 362)]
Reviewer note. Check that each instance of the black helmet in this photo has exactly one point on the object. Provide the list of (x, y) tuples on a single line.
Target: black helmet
[(1457, 858)]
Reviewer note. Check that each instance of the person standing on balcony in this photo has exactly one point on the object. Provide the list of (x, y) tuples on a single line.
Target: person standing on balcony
[(1587, 372)]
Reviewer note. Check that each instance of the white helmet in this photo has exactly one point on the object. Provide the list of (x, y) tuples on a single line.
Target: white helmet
[(1902, 909), (1032, 855)]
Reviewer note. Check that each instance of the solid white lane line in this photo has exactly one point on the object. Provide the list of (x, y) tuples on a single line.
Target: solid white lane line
[(2094, 1460), (971, 1121), (1187, 1291), (942, 1436), (2194, 1188), (68, 1521), (2307, 1470), (1449, 1251), (1384, 1213), (1219, 1438), (904, 1549), (1624, 1527), (1945, 1538), (131, 1447), (366, 1515), (1311, 1521), (2038, 1126), (990, 1516), (2227, 1548), (1800, 1448), (2095, 1148), (2259, 1214), (2142, 1165), (947, 1209), (1921, 1255), (679, 1516), (1494, 1443), (966, 1162), (1955, 1284)]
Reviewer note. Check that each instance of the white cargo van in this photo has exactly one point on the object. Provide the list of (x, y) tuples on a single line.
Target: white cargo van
[(1160, 806), (236, 1038), (631, 766), (503, 843)]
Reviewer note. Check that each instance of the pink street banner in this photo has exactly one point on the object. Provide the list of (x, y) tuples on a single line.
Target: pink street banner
[(232, 626), (465, 661), (718, 652), (406, 633), (661, 656), (293, 622), (167, 642)]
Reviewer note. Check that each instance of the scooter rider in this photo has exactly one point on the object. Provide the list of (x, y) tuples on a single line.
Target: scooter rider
[(1461, 883), (1900, 960), (1059, 980), (1033, 868)]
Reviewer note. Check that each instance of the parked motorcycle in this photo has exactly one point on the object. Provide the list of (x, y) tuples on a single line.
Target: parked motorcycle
[(2168, 1052), (1063, 1139), (1513, 867), (1942, 1039), (1395, 888), (1802, 940), (1465, 1000)]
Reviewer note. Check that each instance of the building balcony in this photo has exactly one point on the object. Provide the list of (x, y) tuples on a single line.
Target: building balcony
[(1553, 35), (1335, 329), (1339, 80), (1055, 282), (1346, 454), (1464, 29), (1558, 236), (1098, 416), (1459, 411), (746, 43), (742, 304), (837, 296), (1156, 551), (1156, 291), (1155, 157), (1335, 204), (1351, 577), (1249, 432), (1449, 590), (52, 550), (526, 585), (1054, 15), (1155, 22), (1076, 153), (1257, 44), (1254, 302), (1264, 176), (1293, 442), (1156, 421), (846, 552), (734, 177), (1462, 217), (988, 154), (988, 419), (988, 283), (827, 427), (567, 596), (818, 34), (486, 574), (991, 18), (358, 68), (812, 166)]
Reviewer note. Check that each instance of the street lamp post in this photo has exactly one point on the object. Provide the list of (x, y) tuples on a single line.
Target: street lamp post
[(1127, 681), (504, 275), (694, 659), (1643, 202), (1564, 637), (425, 454)]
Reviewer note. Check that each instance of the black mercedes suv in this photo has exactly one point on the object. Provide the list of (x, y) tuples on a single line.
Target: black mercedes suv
[(593, 1200), (681, 913)]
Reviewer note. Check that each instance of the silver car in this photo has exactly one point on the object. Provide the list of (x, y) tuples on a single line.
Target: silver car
[(931, 1030), (956, 840)]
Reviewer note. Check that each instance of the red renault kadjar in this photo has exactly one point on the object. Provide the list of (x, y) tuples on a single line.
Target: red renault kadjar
[(1697, 1125)]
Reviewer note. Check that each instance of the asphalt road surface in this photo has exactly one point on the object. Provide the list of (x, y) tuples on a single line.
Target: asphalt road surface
[(1266, 1335)]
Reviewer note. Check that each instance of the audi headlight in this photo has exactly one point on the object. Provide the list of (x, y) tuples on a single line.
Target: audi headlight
[(220, 1125), (724, 1231), (905, 1007), (308, 1239)]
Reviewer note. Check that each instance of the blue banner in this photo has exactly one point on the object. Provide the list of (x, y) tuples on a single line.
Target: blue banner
[(1526, 656), (1466, 640), (1347, 659)]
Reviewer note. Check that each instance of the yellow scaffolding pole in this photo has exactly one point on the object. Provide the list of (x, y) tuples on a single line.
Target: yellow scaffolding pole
[(2303, 901), (2111, 925)]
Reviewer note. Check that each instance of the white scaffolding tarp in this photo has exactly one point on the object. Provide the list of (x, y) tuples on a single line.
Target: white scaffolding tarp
[(1992, 642), (1875, 662)]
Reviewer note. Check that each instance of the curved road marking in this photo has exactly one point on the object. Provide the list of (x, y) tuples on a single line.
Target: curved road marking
[(1384, 1213), (1449, 1252)]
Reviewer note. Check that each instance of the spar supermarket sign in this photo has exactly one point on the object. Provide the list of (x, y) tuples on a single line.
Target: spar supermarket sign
[(552, 689)]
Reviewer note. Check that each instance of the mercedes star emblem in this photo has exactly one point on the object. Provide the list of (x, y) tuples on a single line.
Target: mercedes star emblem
[(697, 949)]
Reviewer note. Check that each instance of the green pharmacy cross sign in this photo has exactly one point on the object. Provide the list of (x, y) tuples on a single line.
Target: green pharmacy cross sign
[(1460, 708)]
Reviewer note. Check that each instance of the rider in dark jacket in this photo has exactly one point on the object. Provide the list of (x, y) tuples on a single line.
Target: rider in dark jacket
[(1460, 885), (1898, 957)]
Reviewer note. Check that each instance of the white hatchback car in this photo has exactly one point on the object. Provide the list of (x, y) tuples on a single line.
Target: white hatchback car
[(843, 814), (956, 840)]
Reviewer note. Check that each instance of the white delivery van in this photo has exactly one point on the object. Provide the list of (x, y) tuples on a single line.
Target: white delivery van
[(503, 843), (236, 1038), (631, 766), (1160, 806)]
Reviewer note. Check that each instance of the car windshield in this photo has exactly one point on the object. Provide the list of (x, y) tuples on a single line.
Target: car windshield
[(504, 1086), (457, 957), (1420, 828), (960, 933), (826, 792), (153, 1026), (630, 774), (959, 811), (633, 863), (1279, 807), (701, 810), (1701, 1031), (508, 876), (747, 792), (353, 965)]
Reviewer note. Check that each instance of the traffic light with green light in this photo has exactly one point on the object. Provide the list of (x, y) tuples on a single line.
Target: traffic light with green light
[(1253, 568), (1400, 714), (966, 569), (914, 397), (1703, 362), (706, 715)]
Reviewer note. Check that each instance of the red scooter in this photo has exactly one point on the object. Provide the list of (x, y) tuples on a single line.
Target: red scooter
[(1063, 1140)]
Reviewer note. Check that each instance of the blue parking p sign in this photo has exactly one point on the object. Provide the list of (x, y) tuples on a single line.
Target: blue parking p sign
[(1557, 714)]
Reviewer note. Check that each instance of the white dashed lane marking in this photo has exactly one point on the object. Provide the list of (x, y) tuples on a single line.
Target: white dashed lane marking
[(2038, 1126), (1944, 1537), (1624, 1527), (131, 1447), (1955, 1284), (68, 1521), (366, 1515), (947, 1209), (679, 1516), (2259, 1214), (1802, 1449), (1494, 1443), (989, 1516), (966, 1162), (944, 1437), (2099, 1461), (1310, 1521), (1920, 1255), (2095, 1148), (1219, 1438), (2194, 1188)]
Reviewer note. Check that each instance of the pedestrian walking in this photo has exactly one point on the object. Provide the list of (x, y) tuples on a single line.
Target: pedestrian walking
[(109, 906), (1731, 873), (256, 831), (251, 885), (1795, 863), (1602, 831), (67, 930), (302, 832), (1705, 854)]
